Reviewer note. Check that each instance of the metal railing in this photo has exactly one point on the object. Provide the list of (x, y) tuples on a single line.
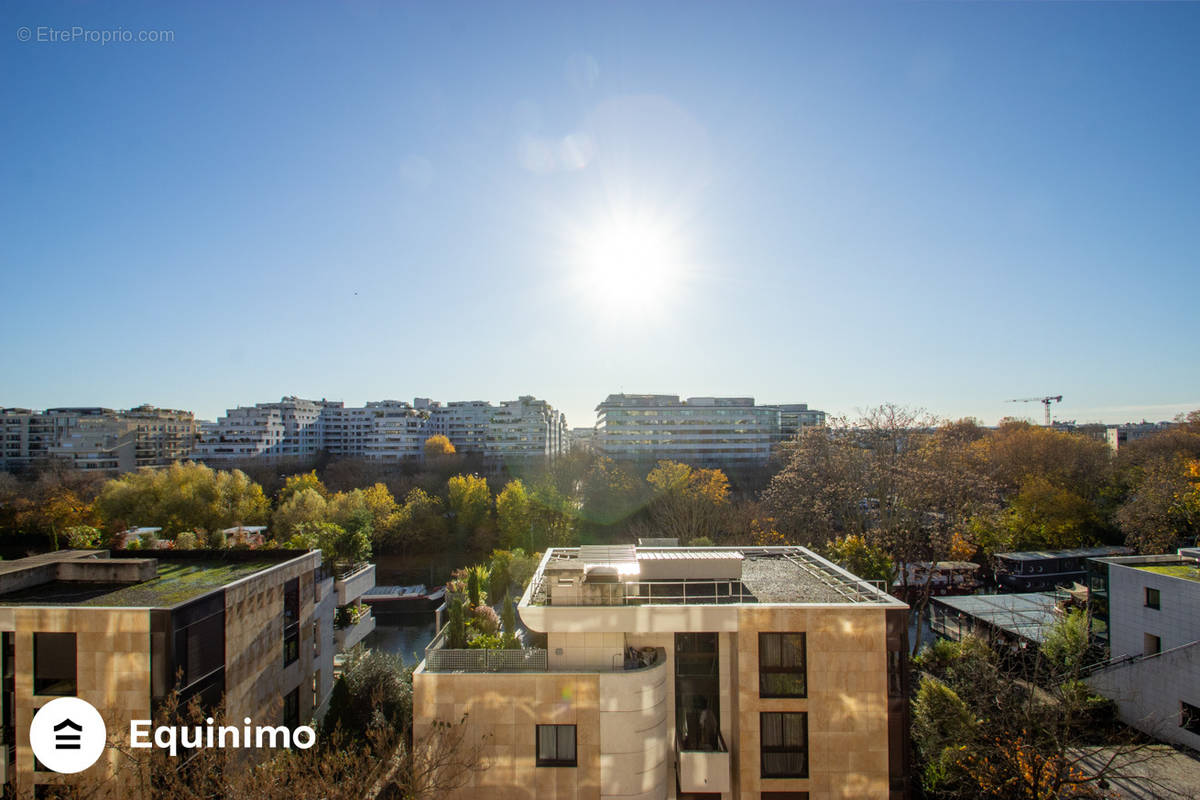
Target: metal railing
[(439, 658), (343, 570), (642, 593)]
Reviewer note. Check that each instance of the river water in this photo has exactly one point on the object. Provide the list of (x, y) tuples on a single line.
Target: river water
[(408, 634)]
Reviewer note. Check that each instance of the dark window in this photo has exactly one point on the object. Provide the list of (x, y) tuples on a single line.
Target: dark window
[(1151, 598), (698, 692), (7, 693), (556, 746), (895, 672), (291, 621), (1151, 644), (781, 669), (54, 663), (291, 708), (54, 791), (784, 744), (200, 648), (1189, 718)]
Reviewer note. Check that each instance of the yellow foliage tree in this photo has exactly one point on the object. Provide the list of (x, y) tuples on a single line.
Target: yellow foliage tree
[(439, 445)]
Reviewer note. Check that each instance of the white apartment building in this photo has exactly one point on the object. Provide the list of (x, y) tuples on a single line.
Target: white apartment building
[(1149, 606), (293, 427), (386, 430), (464, 422), (96, 438), (673, 673), (706, 431), (525, 428)]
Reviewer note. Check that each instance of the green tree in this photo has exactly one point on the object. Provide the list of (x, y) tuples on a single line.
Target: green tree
[(469, 505), (82, 537), (456, 625), (307, 506), (612, 494), (377, 694), (513, 515), (183, 497), (338, 546), (509, 617), (477, 576), (420, 524), (853, 553), (1067, 644)]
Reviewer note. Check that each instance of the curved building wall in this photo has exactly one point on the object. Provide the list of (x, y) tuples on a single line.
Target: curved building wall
[(634, 734)]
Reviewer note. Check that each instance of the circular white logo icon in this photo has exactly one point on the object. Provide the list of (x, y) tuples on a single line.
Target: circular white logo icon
[(67, 735)]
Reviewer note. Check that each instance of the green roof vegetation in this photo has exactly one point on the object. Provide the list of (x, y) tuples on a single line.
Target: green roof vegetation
[(1186, 571), (176, 582)]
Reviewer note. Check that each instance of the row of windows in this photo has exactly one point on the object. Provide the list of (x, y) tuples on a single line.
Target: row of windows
[(784, 744)]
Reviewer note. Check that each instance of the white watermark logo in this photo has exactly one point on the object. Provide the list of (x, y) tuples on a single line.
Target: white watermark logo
[(77, 34), (67, 735), (192, 737)]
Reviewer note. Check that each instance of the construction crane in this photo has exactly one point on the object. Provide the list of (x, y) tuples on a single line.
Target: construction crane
[(1046, 401)]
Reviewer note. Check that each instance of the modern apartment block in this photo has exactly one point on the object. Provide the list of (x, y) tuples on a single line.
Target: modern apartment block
[(123, 629), (706, 431), (1147, 605), (526, 428), (670, 672), (386, 430), (291, 428), (96, 438), (795, 417)]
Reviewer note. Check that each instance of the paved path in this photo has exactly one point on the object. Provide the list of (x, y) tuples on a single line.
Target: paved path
[(1154, 772)]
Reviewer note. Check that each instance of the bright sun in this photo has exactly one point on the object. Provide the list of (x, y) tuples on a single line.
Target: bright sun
[(628, 265)]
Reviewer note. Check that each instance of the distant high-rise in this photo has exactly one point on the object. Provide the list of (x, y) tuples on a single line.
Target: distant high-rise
[(715, 431)]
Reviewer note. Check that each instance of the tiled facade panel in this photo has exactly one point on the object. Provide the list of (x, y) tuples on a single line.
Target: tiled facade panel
[(846, 703), (112, 673), (502, 712)]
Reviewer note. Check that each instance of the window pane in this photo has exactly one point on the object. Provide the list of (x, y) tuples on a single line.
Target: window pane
[(547, 743), (566, 743), (54, 663)]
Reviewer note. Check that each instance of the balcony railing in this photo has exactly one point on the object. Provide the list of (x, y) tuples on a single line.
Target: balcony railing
[(642, 593), (439, 658), (352, 581)]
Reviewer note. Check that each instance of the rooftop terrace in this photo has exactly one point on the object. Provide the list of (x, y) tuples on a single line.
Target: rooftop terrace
[(627, 575), (1186, 570), (177, 578)]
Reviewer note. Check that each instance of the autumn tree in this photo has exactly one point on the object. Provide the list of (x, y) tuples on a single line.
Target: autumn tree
[(1163, 510), (294, 484), (823, 489), (438, 446), (688, 503), (51, 511), (1017, 728), (373, 509)]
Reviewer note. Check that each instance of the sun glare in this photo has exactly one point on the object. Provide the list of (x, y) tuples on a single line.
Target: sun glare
[(629, 265)]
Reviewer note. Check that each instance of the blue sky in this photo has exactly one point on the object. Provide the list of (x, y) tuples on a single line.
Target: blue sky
[(936, 204)]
